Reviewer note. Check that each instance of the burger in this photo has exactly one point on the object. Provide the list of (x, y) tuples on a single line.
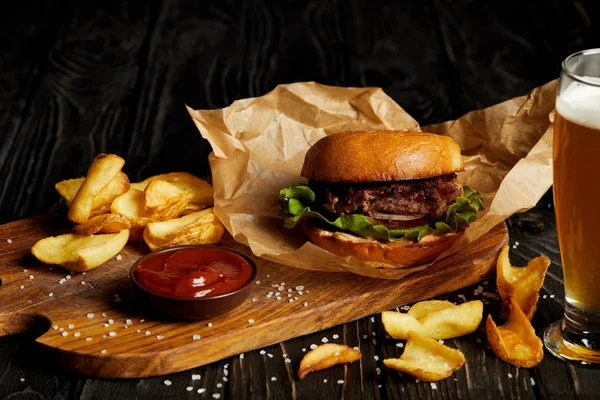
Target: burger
[(385, 197)]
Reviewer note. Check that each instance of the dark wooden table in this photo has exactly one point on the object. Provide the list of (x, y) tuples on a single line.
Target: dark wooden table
[(77, 79)]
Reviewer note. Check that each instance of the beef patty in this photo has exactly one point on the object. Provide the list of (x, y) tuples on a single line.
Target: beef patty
[(427, 199)]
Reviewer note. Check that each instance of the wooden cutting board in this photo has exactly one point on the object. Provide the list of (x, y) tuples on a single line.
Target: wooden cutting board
[(92, 324)]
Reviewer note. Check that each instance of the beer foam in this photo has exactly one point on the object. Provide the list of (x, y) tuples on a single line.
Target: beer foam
[(580, 103)]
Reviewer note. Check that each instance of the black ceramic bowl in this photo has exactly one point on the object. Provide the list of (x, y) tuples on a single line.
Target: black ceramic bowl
[(194, 308)]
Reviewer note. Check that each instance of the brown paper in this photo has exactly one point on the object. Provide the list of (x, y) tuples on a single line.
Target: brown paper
[(259, 146)]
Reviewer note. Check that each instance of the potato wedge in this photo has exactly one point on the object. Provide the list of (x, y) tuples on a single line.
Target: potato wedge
[(426, 359), (325, 356), (106, 223), (202, 227), (422, 308), (521, 283), (131, 205), (104, 168), (202, 191), (445, 321), (515, 342), (80, 253), (116, 187), (160, 195)]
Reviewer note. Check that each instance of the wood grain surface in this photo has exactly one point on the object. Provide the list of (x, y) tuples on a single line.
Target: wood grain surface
[(94, 325), (80, 78)]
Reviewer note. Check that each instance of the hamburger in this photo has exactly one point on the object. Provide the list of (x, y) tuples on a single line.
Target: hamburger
[(390, 198)]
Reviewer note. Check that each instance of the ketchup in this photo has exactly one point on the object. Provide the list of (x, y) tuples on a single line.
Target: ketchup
[(193, 273)]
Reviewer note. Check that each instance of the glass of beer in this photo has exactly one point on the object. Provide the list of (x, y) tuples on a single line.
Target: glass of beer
[(576, 160)]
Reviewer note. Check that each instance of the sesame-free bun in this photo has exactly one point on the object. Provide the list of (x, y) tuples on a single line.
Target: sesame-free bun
[(379, 156), (400, 253)]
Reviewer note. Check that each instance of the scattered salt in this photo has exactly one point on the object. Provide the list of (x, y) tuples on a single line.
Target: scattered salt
[(324, 340), (250, 321), (313, 346), (340, 382), (160, 337), (90, 315), (196, 337), (9, 241), (195, 377), (77, 334), (112, 334), (103, 351), (201, 390), (119, 258), (167, 382), (335, 336), (273, 378), (433, 386)]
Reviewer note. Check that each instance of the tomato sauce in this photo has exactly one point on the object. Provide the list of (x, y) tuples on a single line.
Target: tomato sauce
[(193, 273)]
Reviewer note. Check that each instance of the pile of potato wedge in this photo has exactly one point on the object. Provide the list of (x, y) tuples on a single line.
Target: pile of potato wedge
[(515, 342), (164, 211)]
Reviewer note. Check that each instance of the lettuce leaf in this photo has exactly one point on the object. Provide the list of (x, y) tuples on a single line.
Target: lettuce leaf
[(295, 203)]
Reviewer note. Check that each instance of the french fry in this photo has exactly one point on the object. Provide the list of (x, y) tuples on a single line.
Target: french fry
[(445, 321), (132, 206), (202, 191), (80, 253), (160, 195), (515, 342), (325, 356), (106, 223), (116, 187), (104, 168), (521, 283), (202, 227), (426, 359)]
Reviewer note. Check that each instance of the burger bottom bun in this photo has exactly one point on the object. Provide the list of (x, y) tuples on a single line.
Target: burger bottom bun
[(400, 253)]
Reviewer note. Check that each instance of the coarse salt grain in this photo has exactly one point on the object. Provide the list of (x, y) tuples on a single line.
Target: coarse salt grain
[(355, 347), (335, 336), (128, 321), (160, 337), (532, 381), (55, 327), (219, 385), (148, 333), (324, 380), (111, 321), (105, 325), (400, 345), (88, 339), (112, 334), (262, 352), (201, 390), (167, 382), (378, 371), (68, 277), (65, 333), (273, 378), (340, 382), (313, 346), (209, 324), (104, 315), (372, 319), (77, 334), (305, 304), (83, 283), (31, 276), (22, 287), (9, 241), (270, 355), (250, 321), (510, 375), (299, 287), (304, 349), (324, 340), (257, 282), (441, 341), (22, 379), (196, 337), (90, 315), (376, 358), (70, 326), (242, 356), (433, 386), (216, 395), (195, 377), (103, 351), (189, 388), (119, 258)]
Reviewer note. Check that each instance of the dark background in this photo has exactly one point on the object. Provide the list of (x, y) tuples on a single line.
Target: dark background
[(78, 78)]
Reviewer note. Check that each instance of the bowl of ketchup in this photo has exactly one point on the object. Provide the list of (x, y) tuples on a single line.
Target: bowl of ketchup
[(194, 282)]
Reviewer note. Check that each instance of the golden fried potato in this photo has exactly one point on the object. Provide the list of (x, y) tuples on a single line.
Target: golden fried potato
[(80, 253), (422, 308), (521, 283), (515, 342), (132, 206), (160, 195), (104, 168), (445, 321), (202, 227), (426, 359), (325, 356), (116, 187), (106, 223), (202, 191)]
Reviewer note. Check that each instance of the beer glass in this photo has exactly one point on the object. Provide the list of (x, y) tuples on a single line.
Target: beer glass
[(576, 160)]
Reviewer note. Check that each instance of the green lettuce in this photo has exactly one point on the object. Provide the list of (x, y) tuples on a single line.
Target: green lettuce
[(296, 200)]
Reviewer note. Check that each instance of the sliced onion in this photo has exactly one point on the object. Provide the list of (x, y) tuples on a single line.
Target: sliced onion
[(396, 217)]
